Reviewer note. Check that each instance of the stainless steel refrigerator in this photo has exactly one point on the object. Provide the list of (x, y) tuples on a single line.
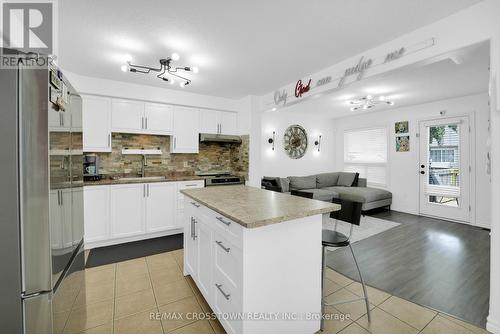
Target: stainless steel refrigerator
[(41, 199)]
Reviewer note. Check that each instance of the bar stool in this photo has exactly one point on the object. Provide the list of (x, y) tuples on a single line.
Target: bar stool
[(350, 212)]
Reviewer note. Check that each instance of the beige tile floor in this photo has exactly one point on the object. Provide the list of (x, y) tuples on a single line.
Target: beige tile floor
[(122, 297)]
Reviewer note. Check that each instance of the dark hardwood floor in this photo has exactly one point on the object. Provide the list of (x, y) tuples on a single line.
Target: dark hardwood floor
[(431, 262)]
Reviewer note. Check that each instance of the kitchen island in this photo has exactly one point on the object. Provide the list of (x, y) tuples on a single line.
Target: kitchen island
[(255, 255)]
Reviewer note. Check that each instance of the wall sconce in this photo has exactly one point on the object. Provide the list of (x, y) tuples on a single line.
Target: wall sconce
[(318, 143), (272, 140)]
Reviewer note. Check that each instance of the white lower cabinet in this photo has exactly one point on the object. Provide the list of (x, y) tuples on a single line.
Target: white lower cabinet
[(204, 240), (127, 212), (96, 213), (213, 258), (161, 208)]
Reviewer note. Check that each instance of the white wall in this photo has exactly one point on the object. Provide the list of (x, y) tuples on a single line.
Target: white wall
[(277, 163), (403, 167)]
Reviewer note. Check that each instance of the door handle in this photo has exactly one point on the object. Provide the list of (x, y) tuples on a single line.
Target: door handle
[(226, 295), (226, 249)]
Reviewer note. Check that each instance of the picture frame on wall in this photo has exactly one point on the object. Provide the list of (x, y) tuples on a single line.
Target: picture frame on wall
[(401, 127), (402, 143)]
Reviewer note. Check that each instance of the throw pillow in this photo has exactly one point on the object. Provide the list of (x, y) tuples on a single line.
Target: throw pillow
[(346, 179), (302, 182), (327, 180), (285, 184)]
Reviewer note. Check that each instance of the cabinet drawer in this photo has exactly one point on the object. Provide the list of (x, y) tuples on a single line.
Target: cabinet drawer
[(228, 228), (226, 300), (191, 184), (228, 260)]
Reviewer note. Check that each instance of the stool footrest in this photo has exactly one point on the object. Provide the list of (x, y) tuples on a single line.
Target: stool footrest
[(344, 301)]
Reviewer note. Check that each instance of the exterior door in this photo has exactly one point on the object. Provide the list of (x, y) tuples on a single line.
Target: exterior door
[(445, 168)]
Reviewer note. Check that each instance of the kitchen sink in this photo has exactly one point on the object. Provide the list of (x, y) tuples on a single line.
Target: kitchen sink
[(146, 178)]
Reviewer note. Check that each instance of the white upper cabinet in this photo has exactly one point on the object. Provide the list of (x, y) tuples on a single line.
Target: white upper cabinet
[(209, 121), (96, 124), (218, 122), (127, 116), (158, 119), (186, 132), (228, 123)]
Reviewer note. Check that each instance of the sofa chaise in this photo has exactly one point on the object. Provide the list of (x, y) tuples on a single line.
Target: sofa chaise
[(327, 186)]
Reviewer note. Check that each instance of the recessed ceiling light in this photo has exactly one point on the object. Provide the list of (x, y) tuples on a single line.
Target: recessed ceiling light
[(274, 109), (175, 56), (195, 69), (124, 68)]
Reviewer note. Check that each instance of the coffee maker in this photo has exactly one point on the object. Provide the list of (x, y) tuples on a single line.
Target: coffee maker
[(91, 168)]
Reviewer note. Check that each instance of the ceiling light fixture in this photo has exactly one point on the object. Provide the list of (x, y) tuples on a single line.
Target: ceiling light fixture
[(166, 70), (368, 102)]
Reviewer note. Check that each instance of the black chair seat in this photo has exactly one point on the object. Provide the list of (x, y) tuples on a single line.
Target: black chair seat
[(334, 239)]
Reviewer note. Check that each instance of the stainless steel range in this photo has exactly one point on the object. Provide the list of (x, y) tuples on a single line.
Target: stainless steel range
[(221, 179)]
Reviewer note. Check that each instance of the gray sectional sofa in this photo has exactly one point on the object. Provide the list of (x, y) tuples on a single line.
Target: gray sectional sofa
[(327, 186)]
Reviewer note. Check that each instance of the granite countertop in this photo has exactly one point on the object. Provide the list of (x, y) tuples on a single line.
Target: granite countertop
[(125, 180), (254, 207)]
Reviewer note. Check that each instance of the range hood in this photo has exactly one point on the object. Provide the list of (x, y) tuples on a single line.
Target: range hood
[(207, 137)]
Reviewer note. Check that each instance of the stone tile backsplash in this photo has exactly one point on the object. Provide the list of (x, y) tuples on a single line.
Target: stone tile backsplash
[(212, 157)]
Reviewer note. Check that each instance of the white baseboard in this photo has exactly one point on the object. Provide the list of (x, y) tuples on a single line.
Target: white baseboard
[(493, 325), (109, 242)]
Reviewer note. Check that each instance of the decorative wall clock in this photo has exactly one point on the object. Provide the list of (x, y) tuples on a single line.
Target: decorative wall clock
[(295, 141)]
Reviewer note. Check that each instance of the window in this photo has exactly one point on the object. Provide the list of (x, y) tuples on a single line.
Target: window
[(365, 152)]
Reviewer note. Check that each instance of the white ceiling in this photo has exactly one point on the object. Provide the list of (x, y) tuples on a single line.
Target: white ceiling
[(460, 73), (241, 47)]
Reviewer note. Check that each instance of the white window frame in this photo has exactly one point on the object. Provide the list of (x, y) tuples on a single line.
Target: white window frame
[(370, 164)]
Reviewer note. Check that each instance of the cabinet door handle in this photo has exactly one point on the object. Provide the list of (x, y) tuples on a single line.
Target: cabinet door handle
[(142, 122), (194, 228), (226, 295), (223, 221), (58, 197), (192, 222), (226, 249), (148, 189), (146, 120), (143, 190), (175, 142), (195, 204), (109, 140), (190, 185)]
